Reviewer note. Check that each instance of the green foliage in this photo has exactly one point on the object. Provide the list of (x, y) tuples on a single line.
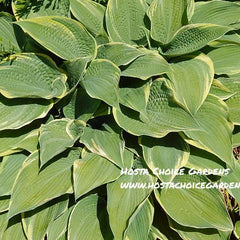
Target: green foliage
[(92, 89)]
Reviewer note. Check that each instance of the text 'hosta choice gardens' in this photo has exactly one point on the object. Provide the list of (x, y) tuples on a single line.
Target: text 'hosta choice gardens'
[(118, 120)]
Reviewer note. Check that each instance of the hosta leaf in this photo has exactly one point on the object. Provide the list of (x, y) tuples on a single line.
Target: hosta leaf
[(118, 53), (233, 84), (109, 145), (162, 114), (81, 106), (226, 59), (215, 132), (8, 41), (89, 13), (89, 220), (24, 9), (233, 177), (216, 12), (193, 37), (9, 168), (236, 136), (166, 18), (170, 152), (75, 69), (135, 96), (31, 75), (35, 222), (155, 234), (129, 120), (142, 217), (4, 204), (56, 136), (219, 90), (53, 181), (19, 139), (14, 230), (188, 233), (123, 202), (64, 37), (16, 114), (144, 67), (90, 172), (125, 21), (200, 159), (230, 37), (190, 9), (184, 82), (3, 223), (58, 227), (237, 229), (195, 207), (101, 81)]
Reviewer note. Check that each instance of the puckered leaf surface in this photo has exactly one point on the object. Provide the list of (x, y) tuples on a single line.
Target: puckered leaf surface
[(64, 37), (31, 75)]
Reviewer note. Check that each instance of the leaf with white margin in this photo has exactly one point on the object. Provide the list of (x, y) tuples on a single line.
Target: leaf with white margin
[(51, 182), (75, 69), (135, 95), (188, 233), (16, 114), (58, 135), (195, 207), (143, 217), (129, 120), (125, 21), (200, 159), (123, 202), (226, 59), (146, 66), (191, 79), (35, 222), (14, 231), (101, 81), (90, 172), (109, 145), (118, 53), (95, 225), (166, 18), (215, 131), (161, 116), (233, 177), (16, 140), (163, 111), (65, 37), (233, 84), (193, 37), (4, 203), (8, 41), (89, 13), (31, 75), (219, 90), (24, 9), (155, 234), (80, 106), (236, 136), (170, 152), (217, 12), (3, 223), (58, 227), (9, 169)]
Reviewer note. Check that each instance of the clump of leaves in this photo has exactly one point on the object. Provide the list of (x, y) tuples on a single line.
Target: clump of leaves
[(88, 90)]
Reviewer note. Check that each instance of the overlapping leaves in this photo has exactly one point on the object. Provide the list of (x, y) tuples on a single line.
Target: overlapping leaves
[(91, 93)]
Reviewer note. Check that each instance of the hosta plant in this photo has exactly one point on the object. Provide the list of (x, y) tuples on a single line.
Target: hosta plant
[(98, 95)]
